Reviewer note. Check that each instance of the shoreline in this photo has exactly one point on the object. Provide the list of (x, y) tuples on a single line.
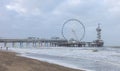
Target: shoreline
[(10, 61), (56, 63)]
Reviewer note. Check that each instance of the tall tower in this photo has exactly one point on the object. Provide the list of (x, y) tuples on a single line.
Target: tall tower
[(99, 42), (98, 29)]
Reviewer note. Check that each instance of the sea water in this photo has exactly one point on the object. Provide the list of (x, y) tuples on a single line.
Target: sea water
[(90, 58)]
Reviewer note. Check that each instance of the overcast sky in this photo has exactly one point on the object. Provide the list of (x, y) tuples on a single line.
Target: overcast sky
[(44, 18)]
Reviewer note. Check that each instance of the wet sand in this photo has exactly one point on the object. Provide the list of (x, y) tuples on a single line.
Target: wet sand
[(10, 62)]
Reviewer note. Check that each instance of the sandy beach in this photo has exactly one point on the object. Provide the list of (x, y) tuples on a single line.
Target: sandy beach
[(9, 61)]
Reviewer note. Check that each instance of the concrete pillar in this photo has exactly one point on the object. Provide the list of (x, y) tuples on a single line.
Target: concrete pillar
[(5, 44), (43, 44), (46, 44), (49, 44), (33, 44), (21, 44), (55, 45), (40, 44), (13, 44)]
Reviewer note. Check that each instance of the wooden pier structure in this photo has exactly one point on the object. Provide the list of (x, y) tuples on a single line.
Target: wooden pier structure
[(44, 43)]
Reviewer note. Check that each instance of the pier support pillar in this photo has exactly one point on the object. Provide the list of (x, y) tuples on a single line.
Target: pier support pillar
[(5, 44), (50, 44), (13, 44), (40, 44), (34, 44), (21, 44)]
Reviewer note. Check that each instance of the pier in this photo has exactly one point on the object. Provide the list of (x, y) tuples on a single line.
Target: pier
[(30, 42), (44, 43)]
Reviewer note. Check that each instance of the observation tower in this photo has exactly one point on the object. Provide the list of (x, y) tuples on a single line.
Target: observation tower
[(99, 41)]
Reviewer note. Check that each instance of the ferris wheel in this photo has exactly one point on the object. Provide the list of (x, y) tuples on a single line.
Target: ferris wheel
[(73, 29)]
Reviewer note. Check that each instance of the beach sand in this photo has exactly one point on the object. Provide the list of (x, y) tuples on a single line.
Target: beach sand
[(10, 62)]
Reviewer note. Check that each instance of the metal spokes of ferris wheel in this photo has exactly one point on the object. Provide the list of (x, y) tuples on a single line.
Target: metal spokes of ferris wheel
[(73, 30)]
